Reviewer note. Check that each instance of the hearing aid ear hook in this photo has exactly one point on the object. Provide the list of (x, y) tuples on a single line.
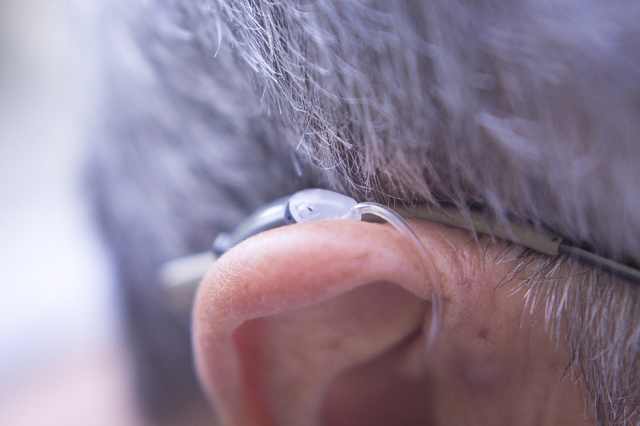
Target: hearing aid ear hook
[(319, 204)]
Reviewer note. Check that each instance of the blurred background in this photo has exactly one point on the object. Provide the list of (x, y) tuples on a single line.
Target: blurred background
[(61, 357)]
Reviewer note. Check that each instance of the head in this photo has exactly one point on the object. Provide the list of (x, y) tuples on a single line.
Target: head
[(528, 108)]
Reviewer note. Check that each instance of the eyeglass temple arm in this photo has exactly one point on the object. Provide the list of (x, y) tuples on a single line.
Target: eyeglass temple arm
[(519, 233)]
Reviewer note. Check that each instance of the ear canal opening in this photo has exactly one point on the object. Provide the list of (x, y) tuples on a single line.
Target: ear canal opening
[(404, 228)]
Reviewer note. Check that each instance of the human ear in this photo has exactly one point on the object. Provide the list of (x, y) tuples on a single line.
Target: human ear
[(286, 323), (343, 291)]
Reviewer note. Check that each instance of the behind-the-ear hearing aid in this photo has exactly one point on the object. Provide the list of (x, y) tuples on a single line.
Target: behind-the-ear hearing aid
[(180, 277), (304, 206)]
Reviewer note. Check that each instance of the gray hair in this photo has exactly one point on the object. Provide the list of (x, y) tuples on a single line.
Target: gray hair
[(215, 107)]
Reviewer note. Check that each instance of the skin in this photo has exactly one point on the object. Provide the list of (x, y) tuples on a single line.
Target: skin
[(327, 323)]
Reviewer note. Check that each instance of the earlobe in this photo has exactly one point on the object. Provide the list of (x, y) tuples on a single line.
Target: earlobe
[(325, 295)]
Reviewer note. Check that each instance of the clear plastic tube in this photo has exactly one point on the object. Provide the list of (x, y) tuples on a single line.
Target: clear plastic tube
[(427, 264), (317, 204)]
